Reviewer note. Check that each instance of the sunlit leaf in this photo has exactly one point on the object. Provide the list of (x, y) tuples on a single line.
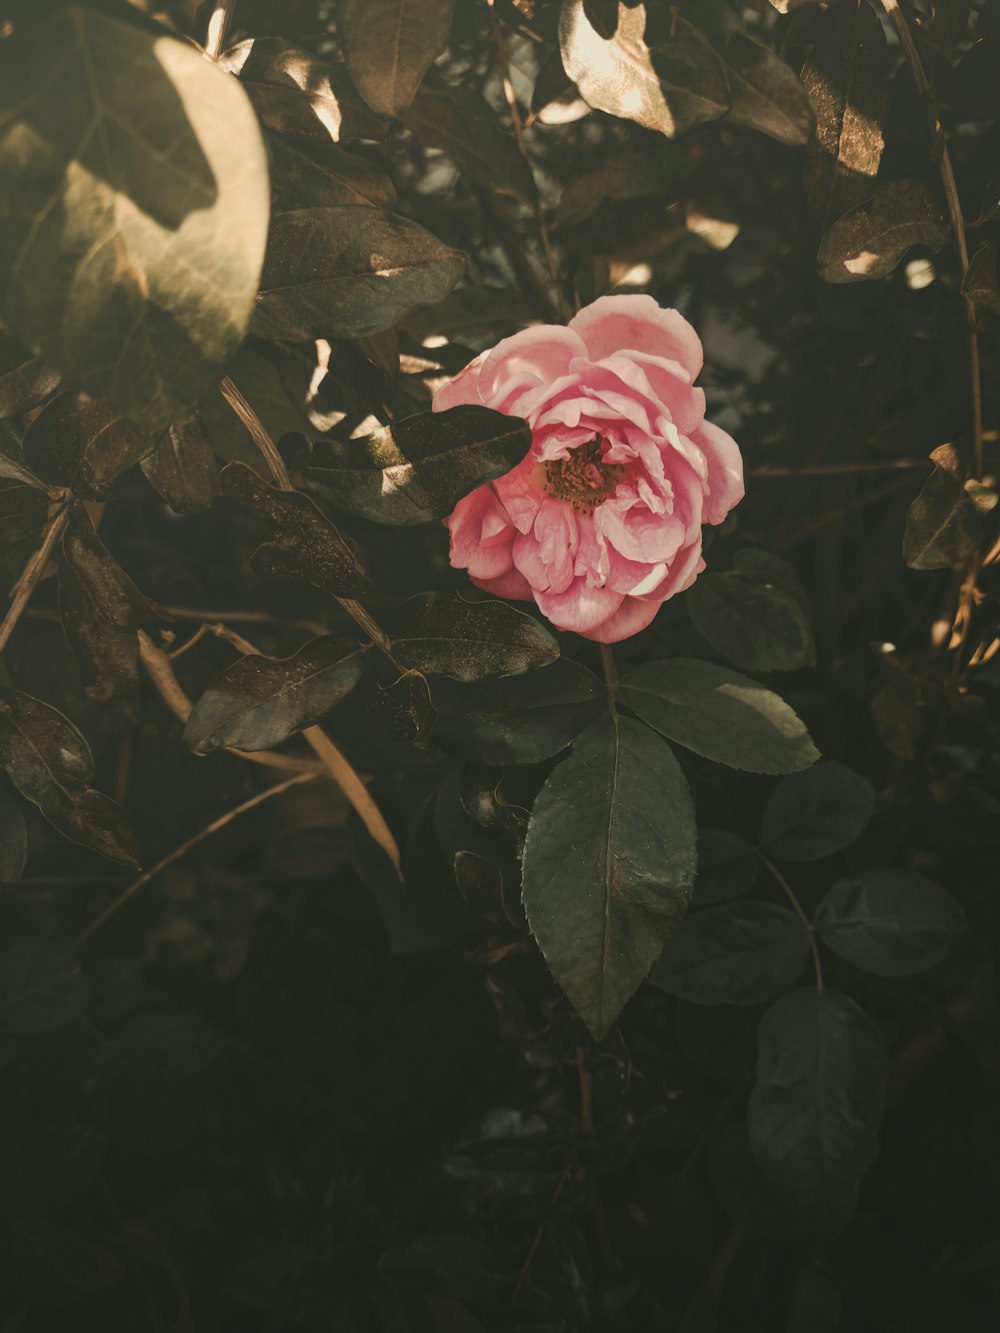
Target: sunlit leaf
[(135, 208), (947, 520)]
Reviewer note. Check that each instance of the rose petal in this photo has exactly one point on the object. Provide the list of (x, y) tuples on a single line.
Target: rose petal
[(614, 323)]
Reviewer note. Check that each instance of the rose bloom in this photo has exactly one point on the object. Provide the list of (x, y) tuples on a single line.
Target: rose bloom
[(601, 522)]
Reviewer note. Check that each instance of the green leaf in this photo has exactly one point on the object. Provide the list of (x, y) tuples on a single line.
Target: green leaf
[(348, 272), (719, 714), (417, 469), (404, 708), (390, 44), (727, 866), (23, 510), (305, 546), (947, 520), (460, 122), (523, 719), (136, 210), (182, 469), (815, 1109), (295, 93), (739, 953), (316, 175), (50, 764), (890, 922), (609, 864), (13, 835), (981, 284), (41, 987), (442, 634), (869, 241), (101, 611), (649, 174), (45, 1164), (278, 406), (845, 77), (758, 626), (813, 814), (764, 93), (25, 380), (670, 86), (82, 443), (170, 1043), (258, 702)]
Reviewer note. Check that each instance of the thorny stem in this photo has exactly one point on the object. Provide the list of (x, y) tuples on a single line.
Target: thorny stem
[(276, 465), (218, 27), (807, 925), (33, 570), (295, 780)]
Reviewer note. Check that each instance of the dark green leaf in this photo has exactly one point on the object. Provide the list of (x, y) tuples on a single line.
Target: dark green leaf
[(260, 701), (815, 1109), (890, 922), (82, 443), (719, 714), (23, 510), (13, 835), (845, 77), (626, 175), (41, 987), (869, 241), (46, 1164), (668, 86), (973, 91), (182, 468), (390, 44), (442, 634), (727, 866), (170, 1043), (980, 284), (813, 814), (347, 272), (316, 175), (609, 863), (101, 611), (758, 626), (523, 719), (305, 546), (764, 93), (472, 313), (461, 123), (295, 93), (405, 707), (12, 465), (739, 953), (275, 403), (417, 469), (947, 520), (25, 381), (50, 764), (156, 157)]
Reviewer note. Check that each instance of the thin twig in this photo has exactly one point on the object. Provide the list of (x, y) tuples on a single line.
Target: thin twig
[(295, 780), (838, 469), (916, 64), (33, 571), (789, 893), (279, 473), (218, 27), (356, 792)]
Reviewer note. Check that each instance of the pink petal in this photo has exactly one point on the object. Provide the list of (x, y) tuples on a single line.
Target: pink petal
[(613, 324), (537, 355), (464, 388), (512, 585), (724, 487), (580, 607), (631, 617)]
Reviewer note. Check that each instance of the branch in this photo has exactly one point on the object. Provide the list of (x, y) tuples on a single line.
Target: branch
[(186, 846), (33, 570)]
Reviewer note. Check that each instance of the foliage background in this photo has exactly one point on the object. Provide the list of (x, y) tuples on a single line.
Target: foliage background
[(278, 1090)]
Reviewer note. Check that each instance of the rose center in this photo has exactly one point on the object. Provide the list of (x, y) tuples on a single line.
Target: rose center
[(584, 479)]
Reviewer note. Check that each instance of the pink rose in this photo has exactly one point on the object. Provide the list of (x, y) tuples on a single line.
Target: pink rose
[(601, 522)]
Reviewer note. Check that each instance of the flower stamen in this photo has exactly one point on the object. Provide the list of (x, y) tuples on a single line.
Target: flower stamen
[(584, 480)]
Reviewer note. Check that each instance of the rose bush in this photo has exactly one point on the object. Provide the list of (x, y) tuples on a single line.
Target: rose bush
[(601, 522)]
